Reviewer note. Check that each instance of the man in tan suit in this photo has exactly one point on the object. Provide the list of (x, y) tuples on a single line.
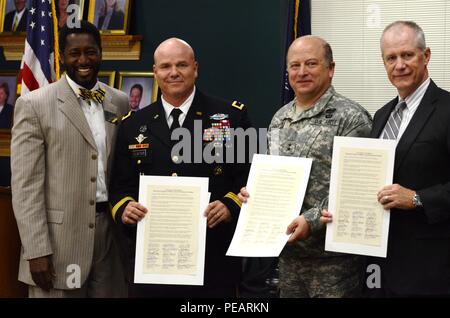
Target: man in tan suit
[(62, 139)]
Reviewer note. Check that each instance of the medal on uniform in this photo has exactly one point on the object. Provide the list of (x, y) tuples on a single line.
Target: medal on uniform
[(219, 131)]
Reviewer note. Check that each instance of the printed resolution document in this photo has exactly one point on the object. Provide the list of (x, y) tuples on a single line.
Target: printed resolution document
[(171, 238), (277, 186), (360, 168)]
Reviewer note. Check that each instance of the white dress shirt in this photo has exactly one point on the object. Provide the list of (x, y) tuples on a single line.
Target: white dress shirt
[(95, 117), (412, 103), (183, 107), (18, 16)]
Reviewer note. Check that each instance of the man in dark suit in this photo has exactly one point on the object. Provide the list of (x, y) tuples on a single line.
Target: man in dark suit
[(175, 71), (16, 20), (6, 110), (418, 257)]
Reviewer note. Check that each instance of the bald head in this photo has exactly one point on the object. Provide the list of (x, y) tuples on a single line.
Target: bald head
[(310, 68), (312, 40), (173, 45), (175, 70)]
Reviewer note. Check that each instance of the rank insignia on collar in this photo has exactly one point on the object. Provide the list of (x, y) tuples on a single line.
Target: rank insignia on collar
[(199, 113), (218, 116), (140, 138), (237, 105), (143, 129), (156, 116)]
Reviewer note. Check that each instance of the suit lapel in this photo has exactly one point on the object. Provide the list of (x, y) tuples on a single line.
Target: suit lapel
[(159, 127), (384, 114), (109, 107), (69, 105), (196, 112), (418, 121)]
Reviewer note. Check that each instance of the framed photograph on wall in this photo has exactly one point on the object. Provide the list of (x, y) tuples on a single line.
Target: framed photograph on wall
[(8, 95), (65, 10), (107, 77), (13, 17), (141, 88), (110, 16)]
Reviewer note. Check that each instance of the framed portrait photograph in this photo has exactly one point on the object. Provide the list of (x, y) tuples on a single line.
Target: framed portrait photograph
[(13, 17), (66, 10), (141, 88), (107, 77), (110, 16), (8, 95)]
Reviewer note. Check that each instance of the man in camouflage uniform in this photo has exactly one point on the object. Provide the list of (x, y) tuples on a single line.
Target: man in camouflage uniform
[(305, 127)]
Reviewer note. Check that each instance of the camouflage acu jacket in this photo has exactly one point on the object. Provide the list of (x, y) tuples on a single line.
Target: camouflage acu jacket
[(310, 134)]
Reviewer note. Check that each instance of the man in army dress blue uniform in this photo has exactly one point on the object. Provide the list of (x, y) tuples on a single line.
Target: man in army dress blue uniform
[(144, 146)]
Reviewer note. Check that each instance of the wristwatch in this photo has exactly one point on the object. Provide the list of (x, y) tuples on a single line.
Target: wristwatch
[(416, 201)]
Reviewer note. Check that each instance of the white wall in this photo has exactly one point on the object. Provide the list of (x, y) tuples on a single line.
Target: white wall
[(353, 29)]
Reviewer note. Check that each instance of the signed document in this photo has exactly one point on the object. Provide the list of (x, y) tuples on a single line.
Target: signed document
[(170, 242), (360, 168), (277, 186)]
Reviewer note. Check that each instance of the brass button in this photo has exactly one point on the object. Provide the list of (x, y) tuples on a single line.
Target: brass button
[(217, 171), (175, 159), (94, 157), (91, 225), (139, 162), (92, 202), (93, 179), (174, 174)]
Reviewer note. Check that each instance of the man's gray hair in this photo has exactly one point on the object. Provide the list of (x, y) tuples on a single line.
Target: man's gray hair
[(420, 36)]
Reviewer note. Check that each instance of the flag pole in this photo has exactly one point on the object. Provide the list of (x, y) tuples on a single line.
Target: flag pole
[(56, 39), (297, 7)]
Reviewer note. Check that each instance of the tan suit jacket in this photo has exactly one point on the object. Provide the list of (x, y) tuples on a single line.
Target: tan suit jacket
[(54, 166)]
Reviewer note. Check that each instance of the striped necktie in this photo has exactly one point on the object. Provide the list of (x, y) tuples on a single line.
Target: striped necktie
[(393, 124)]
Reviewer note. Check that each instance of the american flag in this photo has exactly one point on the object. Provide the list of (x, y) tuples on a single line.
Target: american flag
[(37, 68), (298, 24)]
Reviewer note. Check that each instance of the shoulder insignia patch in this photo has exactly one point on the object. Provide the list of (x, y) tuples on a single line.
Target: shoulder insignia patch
[(127, 115), (237, 105)]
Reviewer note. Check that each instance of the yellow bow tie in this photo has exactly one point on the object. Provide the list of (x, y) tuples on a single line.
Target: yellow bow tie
[(97, 95)]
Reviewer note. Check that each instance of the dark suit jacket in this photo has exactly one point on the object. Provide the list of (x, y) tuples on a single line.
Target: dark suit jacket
[(116, 22), (418, 258), (6, 116), (157, 160), (9, 18)]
